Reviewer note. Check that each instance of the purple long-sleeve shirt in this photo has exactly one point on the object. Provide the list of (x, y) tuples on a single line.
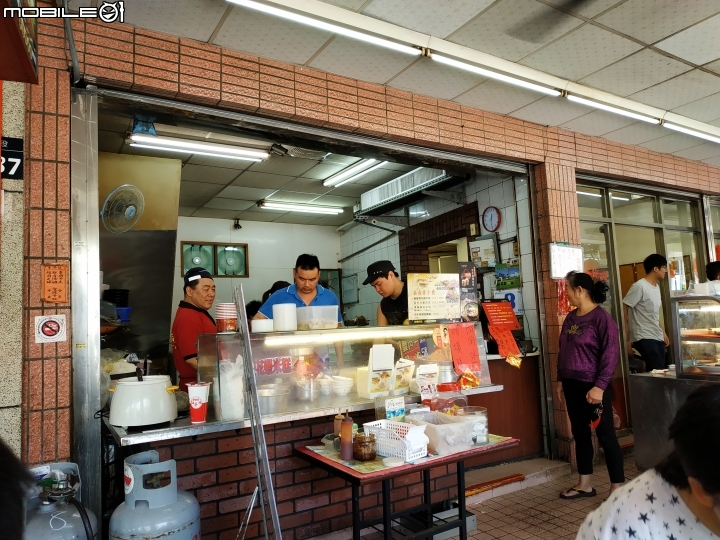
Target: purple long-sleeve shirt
[(589, 348)]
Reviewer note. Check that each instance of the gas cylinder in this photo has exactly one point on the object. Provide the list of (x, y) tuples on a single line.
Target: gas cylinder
[(152, 510)]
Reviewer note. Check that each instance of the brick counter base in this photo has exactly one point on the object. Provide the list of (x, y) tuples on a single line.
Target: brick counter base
[(219, 469)]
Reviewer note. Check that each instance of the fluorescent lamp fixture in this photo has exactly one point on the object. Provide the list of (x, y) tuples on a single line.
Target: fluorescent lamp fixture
[(609, 108), (345, 335), (328, 27), (494, 75), (350, 171), (620, 199), (692, 132), (360, 174), (171, 144), (268, 205), (588, 194)]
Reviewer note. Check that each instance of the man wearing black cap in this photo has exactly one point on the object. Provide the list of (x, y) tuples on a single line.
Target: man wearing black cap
[(192, 319), (393, 308)]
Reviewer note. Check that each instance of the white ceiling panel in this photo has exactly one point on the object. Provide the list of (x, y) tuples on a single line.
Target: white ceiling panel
[(351, 190), (715, 123), (251, 215), (684, 89), (653, 20), (324, 170), (213, 175), (636, 73), (434, 79), (215, 214), (700, 152), (672, 143), (199, 188), (352, 5), (334, 200), (637, 133), (193, 200), (228, 204), (249, 194), (705, 109), (186, 211), (224, 163), (307, 185), (491, 32), (292, 197), (286, 165), (713, 161), (498, 97), (390, 166), (377, 177), (261, 180), (713, 66), (333, 221), (583, 51), (698, 44), (360, 60), (297, 218), (587, 9), (551, 111), (438, 19), (194, 19), (253, 32), (597, 123)]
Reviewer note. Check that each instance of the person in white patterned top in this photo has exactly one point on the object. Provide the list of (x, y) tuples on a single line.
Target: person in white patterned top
[(679, 499)]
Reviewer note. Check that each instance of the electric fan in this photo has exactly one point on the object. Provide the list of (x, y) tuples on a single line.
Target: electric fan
[(123, 208), (195, 255), (231, 261)]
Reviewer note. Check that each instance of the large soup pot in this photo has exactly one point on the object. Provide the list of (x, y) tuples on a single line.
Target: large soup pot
[(142, 403)]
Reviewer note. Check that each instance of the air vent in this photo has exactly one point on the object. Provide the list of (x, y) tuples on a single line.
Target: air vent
[(407, 184), (296, 151)]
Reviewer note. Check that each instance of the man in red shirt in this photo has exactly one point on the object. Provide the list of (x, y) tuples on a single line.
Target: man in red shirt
[(191, 320)]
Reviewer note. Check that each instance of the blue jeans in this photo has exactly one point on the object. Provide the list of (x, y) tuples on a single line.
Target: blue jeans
[(652, 352)]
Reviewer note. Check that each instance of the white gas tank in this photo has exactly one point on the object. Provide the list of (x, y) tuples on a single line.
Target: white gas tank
[(150, 510)]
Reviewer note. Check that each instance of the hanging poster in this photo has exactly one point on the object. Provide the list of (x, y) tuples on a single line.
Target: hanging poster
[(469, 308), (484, 251), (507, 276), (565, 258), (514, 296), (433, 298)]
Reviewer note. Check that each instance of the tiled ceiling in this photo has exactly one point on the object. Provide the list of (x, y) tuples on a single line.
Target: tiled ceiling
[(230, 189), (664, 53)]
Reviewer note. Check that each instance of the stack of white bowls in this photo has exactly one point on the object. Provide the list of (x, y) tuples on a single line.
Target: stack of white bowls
[(342, 385), (226, 317)]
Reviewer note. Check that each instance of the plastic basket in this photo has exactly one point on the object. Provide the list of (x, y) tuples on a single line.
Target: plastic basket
[(389, 439)]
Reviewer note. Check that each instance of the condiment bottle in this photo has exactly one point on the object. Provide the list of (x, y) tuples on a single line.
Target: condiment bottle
[(346, 440), (336, 424)]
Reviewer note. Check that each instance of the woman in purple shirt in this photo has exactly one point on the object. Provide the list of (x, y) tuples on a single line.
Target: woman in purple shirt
[(589, 354)]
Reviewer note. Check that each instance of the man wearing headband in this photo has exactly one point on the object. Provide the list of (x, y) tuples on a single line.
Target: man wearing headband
[(393, 308), (192, 319)]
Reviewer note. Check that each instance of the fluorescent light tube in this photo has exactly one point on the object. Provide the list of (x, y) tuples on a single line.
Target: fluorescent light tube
[(692, 132), (329, 27), (588, 194), (361, 165), (195, 152), (268, 205), (623, 112), (494, 75), (195, 147), (360, 174)]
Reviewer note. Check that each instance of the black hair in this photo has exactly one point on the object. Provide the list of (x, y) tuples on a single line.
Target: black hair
[(275, 287), (654, 261), (713, 270), (596, 289), (307, 262), (14, 481), (252, 307), (695, 432)]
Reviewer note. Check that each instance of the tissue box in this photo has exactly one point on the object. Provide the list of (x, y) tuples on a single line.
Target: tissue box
[(447, 434)]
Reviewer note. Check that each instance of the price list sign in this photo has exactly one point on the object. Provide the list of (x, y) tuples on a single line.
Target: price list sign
[(501, 322), (433, 298), (55, 283)]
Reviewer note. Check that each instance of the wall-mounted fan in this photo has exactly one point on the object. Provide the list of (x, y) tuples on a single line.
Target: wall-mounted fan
[(231, 261), (123, 208), (197, 255)]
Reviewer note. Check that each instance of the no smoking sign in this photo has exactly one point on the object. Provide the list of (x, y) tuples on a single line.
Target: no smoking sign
[(50, 329)]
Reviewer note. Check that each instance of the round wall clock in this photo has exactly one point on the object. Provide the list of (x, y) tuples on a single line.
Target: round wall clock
[(491, 218)]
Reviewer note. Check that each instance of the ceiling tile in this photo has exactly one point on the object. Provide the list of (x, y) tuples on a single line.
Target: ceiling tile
[(199, 188), (583, 51), (194, 19), (701, 151), (257, 33), (637, 133), (186, 211), (672, 143), (427, 16), (352, 5), (324, 170), (713, 66), (266, 216), (377, 177), (597, 123), (713, 161), (334, 200), (431, 78), (390, 166), (331, 221), (213, 175), (498, 97), (261, 180), (296, 218), (704, 110), (223, 163), (292, 197), (110, 141), (534, 23), (249, 194), (586, 9), (289, 166), (698, 44), (136, 151), (351, 190), (551, 111), (215, 214), (680, 90), (194, 200), (715, 123), (653, 20), (228, 204), (361, 60), (635, 73), (307, 185)]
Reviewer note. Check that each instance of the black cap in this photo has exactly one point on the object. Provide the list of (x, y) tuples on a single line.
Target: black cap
[(196, 273), (378, 269)]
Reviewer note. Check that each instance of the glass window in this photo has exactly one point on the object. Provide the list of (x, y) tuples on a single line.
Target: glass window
[(715, 217), (682, 256), (590, 202), (680, 213), (633, 207), (595, 242)]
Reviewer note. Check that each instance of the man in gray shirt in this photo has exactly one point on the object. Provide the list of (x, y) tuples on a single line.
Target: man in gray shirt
[(642, 312)]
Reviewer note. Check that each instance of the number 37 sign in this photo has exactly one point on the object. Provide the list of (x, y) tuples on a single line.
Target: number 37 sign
[(11, 158)]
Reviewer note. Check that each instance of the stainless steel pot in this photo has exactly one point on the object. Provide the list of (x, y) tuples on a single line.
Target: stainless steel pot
[(306, 390), (272, 401)]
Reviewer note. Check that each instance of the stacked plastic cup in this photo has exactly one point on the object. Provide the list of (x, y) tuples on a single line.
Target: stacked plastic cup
[(226, 317), (198, 393)]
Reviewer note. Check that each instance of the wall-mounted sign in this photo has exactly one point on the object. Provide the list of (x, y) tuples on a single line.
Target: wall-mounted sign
[(50, 329), (563, 259), (433, 298), (55, 283), (11, 158), (350, 289)]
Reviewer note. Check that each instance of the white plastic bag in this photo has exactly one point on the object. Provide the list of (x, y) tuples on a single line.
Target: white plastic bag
[(232, 389), (448, 434)]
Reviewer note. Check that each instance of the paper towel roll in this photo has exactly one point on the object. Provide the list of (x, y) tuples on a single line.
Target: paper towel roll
[(262, 325), (284, 318)]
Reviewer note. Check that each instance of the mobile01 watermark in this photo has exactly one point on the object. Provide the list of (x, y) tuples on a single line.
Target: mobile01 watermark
[(108, 12)]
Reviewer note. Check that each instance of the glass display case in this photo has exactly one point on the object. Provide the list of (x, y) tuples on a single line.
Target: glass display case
[(304, 371), (696, 336)]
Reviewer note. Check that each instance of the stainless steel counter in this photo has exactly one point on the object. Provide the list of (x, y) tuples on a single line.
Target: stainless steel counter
[(319, 408)]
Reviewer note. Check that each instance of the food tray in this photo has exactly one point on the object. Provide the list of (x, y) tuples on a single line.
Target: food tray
[(389, 437)]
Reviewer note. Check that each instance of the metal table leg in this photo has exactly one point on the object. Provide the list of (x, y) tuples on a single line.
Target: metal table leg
[(356, 511), (387, 510), (462, 510), (427, 496)]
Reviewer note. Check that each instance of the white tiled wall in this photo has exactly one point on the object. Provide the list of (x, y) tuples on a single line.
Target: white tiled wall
[(272, 250)]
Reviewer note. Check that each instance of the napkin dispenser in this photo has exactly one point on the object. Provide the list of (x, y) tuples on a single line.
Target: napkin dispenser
[(376, 379)]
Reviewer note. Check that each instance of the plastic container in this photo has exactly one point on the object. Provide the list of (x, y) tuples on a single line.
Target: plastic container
[(389, 439), (447, 434), (317, 317), (448, 402), (480, 422), (346, 439), (123, 314), (364, 447)]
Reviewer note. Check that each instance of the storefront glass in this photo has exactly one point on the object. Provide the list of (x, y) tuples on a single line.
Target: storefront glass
[(682, 256), (633, 207)]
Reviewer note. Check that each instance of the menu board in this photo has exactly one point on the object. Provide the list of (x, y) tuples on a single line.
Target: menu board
[(501, 314), (350, 289), (433, 298), (564, 259)]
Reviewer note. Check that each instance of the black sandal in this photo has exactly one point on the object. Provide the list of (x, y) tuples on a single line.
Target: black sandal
[(578, 493)]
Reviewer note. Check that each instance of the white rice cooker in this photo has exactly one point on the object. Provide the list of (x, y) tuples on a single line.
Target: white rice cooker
[(142, 403)]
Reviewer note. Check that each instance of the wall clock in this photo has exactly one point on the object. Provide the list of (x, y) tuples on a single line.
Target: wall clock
[(491, 218)]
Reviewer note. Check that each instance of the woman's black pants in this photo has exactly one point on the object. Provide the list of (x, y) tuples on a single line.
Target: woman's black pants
[(581, 414)]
